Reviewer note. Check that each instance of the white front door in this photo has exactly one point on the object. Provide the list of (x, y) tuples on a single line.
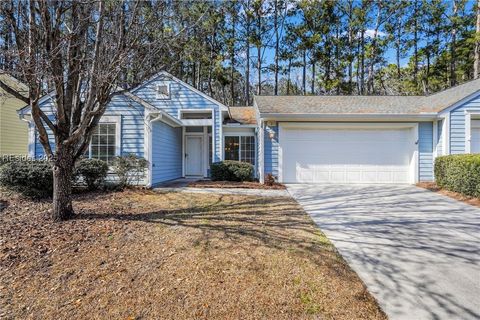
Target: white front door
[(194, 156)]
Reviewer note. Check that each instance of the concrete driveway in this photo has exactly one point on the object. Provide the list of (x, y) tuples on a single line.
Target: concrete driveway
[(418, 252)]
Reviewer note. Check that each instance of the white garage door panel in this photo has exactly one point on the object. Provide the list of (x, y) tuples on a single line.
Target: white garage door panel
[(346, 155)]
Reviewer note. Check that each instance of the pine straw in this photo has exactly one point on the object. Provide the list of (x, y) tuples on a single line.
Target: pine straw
[(432, 186), (146, 255), (234, 184)]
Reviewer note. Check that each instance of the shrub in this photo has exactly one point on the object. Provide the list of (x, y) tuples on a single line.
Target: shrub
[(269, 179), (129, 169), (31, 178), (231, 171), (459, 173), (93, 172)]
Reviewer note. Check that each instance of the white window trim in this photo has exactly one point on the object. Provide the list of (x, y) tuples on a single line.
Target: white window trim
[(246, 134), (117, 120), (159, 96), (469, 114)]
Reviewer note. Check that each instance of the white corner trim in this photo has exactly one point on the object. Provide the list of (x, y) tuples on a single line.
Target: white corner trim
[(261, 157), (416, 154), (147, 147), (435, 139), (468, 128), (31, 140)]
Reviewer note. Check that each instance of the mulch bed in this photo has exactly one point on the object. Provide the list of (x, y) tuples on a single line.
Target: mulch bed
[(233, 184), (455, 195), (140, 254)]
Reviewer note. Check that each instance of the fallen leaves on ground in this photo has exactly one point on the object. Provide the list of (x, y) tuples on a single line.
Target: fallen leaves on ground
[(140, 254)]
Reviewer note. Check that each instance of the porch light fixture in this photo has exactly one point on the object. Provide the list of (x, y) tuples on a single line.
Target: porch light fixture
[(271, 135)]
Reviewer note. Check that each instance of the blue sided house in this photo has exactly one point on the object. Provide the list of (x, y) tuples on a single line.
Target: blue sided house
[(297, 139)]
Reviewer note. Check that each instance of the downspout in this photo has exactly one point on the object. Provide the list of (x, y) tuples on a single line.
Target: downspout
[(31, 134)]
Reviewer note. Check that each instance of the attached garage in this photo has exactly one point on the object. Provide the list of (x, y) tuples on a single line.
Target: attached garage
[(348, 152)]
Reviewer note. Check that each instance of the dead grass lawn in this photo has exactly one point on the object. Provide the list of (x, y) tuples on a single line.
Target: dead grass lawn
[(147, 255)]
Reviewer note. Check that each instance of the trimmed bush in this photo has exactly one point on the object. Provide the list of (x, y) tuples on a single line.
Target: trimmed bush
[(93, 172), (459, 173), (231, 171), (130, 169), (31, 178)]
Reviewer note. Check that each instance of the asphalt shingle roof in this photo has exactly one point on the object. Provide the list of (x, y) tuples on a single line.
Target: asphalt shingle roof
[(243, 115), (366, 104)]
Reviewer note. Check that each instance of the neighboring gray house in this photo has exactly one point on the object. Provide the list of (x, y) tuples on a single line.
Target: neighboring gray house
[(307, 139)]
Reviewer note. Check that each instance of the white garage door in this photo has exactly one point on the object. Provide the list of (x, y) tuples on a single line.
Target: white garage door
[(346, 154), (475, 139)]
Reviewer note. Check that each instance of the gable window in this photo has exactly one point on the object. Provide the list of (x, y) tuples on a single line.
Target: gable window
[(240, 148), (162, 91), (103, 144)]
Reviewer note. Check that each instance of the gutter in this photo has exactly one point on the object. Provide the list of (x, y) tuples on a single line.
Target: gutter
[(345, 116), (161, 115)]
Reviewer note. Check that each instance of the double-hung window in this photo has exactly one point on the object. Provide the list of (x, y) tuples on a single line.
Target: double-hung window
[(103, 145), (240, 148)]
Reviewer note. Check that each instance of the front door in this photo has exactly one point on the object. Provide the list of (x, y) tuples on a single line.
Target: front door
[(193, 156)]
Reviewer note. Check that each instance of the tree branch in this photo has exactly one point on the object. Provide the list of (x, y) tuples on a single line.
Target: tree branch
[(13, 92)]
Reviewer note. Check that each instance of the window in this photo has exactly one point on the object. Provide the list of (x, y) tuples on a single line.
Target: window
[(240, 148), (189, 115), (103, 144), (194, 129), (162, 91)]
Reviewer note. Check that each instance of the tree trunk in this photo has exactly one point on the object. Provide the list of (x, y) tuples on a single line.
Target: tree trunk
[(415, 43), (453, 54), (277, 44), (312, 87), (259, 69), (232, 60), (304, 72), (288, 77), (362, 62), (476, 64), (62, 185)]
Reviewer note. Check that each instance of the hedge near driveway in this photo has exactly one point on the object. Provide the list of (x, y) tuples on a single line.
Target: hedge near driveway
[(459, 173)]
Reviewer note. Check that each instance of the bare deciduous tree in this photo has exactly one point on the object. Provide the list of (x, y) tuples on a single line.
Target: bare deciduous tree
[(75, 51)]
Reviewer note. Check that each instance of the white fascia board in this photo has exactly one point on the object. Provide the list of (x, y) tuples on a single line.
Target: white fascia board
[(196, 122), (239, 125), (348, 117), (161, 115)]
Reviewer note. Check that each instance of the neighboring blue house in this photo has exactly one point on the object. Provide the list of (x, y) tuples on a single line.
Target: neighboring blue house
[(298, 139)]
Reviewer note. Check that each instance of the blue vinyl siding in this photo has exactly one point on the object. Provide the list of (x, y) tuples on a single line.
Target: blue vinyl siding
[(457, 125), (166, 152), (425, 151), (132, 125), (182, 97), (271, 151)]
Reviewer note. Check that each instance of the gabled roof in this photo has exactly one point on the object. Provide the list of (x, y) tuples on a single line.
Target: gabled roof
[(131, 94), (242, 115), (168, 75), (14, 84), (402, 105), (446, 98)]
